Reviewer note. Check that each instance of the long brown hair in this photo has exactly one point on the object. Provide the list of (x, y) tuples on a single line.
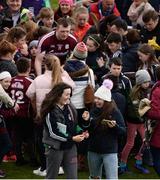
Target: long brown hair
[(15, 34), (148, 50), (30, 27), (6, 47), (107, 110), (52, 98), (136, 92), (52, 63)]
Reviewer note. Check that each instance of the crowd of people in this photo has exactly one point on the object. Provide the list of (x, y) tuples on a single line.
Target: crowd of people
[(50, 57)]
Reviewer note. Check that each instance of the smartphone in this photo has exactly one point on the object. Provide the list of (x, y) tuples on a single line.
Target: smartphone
[(105, 120), (7, 23)]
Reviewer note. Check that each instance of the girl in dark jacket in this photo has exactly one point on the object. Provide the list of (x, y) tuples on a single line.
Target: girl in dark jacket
[(106, 123), (96, 58), (60, 132)]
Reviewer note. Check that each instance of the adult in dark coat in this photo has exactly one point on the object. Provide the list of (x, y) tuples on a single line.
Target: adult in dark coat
[(102, 27), (129, 55), (151, 30), (13, 14), (154, 113)]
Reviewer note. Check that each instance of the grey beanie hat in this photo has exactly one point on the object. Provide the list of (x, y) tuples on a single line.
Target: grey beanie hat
[(33, 43), (142, 76)]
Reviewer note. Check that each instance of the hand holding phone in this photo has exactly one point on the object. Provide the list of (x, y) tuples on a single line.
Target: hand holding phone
[(109, 123)]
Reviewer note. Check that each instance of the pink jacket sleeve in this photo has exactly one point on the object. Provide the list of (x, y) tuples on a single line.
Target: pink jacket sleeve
[(31, 91)]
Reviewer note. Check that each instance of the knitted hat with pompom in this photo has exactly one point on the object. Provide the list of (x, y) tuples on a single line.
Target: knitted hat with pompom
[(104, 92), (80, 51)]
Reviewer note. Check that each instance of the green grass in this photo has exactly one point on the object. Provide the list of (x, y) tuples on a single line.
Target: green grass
[(54, 3), (25, 172)]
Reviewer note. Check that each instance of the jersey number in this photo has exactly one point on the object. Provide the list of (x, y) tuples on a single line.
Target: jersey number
[(17, 96)]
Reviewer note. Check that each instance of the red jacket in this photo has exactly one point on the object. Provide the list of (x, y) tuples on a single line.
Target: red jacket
[(80, 32), (96, 9), (154, 113)]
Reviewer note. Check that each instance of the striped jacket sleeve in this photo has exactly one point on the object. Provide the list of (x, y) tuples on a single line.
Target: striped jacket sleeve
[(54, 131)]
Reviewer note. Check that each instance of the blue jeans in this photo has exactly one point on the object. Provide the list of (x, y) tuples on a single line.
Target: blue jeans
[(156, 159), (110, 162)]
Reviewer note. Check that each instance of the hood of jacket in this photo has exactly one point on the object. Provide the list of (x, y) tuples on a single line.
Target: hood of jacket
[(75, 68)]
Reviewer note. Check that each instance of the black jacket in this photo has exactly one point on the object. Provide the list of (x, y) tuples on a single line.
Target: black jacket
[(130, 58), (91, 61), (105, 141), (6, 18), (148, 35), (59, 127)]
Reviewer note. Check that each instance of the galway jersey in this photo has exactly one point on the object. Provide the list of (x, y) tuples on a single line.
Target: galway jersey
[(61, 48), (17, 90)]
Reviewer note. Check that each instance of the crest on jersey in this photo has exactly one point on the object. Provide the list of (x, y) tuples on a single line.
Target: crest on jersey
[(67, 46), (60, 47)]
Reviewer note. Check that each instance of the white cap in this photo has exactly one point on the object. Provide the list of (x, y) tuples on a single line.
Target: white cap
[(4, 74)]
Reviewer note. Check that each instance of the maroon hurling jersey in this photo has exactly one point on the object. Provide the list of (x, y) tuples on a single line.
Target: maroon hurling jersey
[(17, 90), (61, 48)]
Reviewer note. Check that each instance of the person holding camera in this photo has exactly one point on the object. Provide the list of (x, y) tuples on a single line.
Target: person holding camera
[(13, 14)]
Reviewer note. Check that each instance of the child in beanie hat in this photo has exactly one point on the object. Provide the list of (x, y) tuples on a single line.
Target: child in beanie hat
[(64, 10), (135, 122), (33, 43), (106, 124), (142, 76), (33, 50), (104, 92), (80, 51)]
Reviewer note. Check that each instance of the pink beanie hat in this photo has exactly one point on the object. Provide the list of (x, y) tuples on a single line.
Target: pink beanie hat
[(80, 51), (69, 2)]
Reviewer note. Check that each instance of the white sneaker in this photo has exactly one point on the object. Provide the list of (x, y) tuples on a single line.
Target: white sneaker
[(61, 171), (38, 172)]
